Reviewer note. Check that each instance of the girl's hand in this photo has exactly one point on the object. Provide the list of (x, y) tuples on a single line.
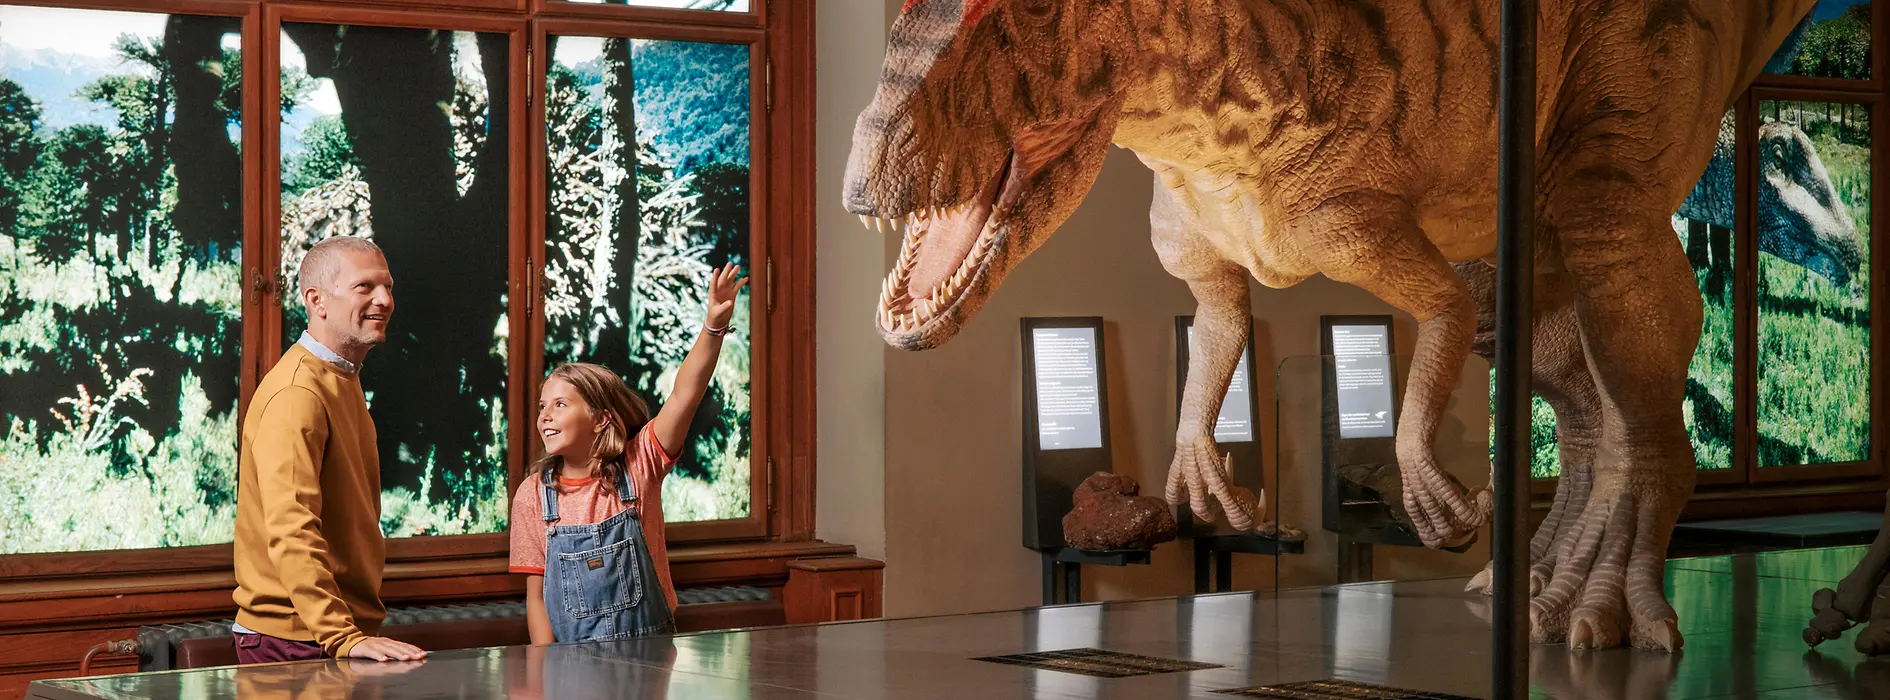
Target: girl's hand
[(722, 287)]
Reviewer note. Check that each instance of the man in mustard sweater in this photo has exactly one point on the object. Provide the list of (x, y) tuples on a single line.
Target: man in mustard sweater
[(308, 535)]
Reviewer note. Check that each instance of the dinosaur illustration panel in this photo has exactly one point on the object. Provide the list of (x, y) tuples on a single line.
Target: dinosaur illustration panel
[(1814, 283), (633, 232), (1833, 41), (120, 279), (398, 135)]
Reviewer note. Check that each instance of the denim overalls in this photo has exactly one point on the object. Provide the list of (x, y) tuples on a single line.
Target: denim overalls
[(600, 582)]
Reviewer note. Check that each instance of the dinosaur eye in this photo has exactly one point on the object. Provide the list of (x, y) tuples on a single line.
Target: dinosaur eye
[(1037, 10)]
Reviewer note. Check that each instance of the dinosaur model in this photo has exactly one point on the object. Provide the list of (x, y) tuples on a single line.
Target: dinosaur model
[(1863, 596), (1351, 139), (1804, 222), (1801, 218)]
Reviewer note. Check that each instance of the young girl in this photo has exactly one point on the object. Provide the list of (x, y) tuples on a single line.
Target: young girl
[(587, 525)]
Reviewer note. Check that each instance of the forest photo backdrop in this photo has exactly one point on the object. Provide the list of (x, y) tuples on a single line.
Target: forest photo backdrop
[(121, 284)]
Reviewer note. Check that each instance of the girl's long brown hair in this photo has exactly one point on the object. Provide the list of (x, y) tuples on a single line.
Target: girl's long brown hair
[(604, 392)]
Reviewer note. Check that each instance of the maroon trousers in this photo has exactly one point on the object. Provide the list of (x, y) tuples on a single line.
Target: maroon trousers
[(262, 649)]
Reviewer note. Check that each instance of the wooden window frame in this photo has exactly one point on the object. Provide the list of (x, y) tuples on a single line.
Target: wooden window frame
[(780, 36), (1872, 466)]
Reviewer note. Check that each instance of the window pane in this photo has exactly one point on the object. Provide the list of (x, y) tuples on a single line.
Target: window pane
[(712, 5), (628, 258), (399, 136), (1814, 283), (1832, 42), (121, 224)]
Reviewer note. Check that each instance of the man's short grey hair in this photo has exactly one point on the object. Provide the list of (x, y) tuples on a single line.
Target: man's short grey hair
[(323, 261)]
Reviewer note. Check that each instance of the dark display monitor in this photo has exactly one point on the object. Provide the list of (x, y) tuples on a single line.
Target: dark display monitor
[(1066, 420)]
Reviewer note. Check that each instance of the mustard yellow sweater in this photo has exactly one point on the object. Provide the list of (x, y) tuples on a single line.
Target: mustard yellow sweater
[(308, 547)]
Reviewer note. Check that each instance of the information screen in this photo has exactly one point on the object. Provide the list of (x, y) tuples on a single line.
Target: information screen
[(1236, 420), (1069, 412), (1362, 365)]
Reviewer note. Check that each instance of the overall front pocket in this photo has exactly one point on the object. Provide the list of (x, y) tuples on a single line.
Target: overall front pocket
[(600, 581)]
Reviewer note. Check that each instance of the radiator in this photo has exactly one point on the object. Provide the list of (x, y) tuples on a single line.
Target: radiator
[(157, 644)]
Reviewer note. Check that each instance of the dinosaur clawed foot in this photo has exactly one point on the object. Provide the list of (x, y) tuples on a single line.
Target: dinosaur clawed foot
[(1607, 583), (1443, 513), (1204, 476), (1539, 572)]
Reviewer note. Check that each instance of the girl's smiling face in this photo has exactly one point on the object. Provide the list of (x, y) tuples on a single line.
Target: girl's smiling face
[(567, 424)]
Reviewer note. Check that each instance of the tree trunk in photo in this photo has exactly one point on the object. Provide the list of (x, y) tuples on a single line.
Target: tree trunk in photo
[(209, 172), (207, 164), (391, 84), (1719, 239), (154, 167), (1697, 253), (614, 342)]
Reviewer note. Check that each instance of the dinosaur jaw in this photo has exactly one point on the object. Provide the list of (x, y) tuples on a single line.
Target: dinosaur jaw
[(946, 266)]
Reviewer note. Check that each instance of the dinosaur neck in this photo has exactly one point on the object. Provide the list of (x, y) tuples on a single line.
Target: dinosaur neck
[(1208, 73)]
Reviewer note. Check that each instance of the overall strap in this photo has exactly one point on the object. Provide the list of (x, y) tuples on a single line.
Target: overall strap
[(625, 490), (549, 499)]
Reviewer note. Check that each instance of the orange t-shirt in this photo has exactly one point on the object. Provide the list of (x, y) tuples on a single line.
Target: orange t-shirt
[(589, 500)]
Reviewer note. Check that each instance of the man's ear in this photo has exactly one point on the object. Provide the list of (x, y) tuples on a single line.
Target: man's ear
[(312, 301)]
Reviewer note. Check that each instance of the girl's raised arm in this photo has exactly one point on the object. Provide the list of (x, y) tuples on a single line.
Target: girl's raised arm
[(671, 424)]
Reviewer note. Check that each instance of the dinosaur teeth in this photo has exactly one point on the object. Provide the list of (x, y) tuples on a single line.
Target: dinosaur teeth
[(866, 221)]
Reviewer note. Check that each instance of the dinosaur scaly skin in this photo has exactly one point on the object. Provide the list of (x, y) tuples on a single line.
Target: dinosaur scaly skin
[(1353, 139)]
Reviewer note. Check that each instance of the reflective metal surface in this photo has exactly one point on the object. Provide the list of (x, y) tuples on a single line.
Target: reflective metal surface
[(1742, 616)]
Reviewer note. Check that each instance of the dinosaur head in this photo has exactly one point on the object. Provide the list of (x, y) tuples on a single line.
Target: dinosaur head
[(1801, 217), (990, 124)]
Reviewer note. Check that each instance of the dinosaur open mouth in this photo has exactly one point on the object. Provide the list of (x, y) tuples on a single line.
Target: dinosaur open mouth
[(944, 251)]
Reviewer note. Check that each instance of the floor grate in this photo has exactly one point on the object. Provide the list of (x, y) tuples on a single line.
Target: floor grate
[(1098, 662), (1336, 690)]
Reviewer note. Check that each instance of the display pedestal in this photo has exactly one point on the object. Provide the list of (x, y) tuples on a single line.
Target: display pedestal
[(1217, 552), (1065, 563)]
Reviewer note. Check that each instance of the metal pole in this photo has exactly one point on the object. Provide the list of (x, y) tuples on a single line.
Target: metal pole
[(1515, 275)]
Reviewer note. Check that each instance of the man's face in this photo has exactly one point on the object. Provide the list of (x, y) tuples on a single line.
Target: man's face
[(357, 306)]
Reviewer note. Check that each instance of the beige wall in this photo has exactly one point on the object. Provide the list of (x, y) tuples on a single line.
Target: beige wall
[(934, 484), (850, 450)]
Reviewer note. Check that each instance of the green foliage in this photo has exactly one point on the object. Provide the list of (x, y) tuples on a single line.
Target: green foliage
[(1838, 47), (67, 202), (692, 97), (325, 154), (295, 83), (19, 150)]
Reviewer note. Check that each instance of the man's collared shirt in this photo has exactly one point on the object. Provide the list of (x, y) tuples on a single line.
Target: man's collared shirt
[(319, 350)]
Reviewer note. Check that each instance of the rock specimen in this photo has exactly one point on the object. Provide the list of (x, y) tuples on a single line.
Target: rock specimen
[(1110, 515)]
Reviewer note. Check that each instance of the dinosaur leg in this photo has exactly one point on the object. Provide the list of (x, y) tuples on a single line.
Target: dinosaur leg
[(1640, 319), (1405, 269), (1856, 598), (1221, 326), (1560, 376)]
